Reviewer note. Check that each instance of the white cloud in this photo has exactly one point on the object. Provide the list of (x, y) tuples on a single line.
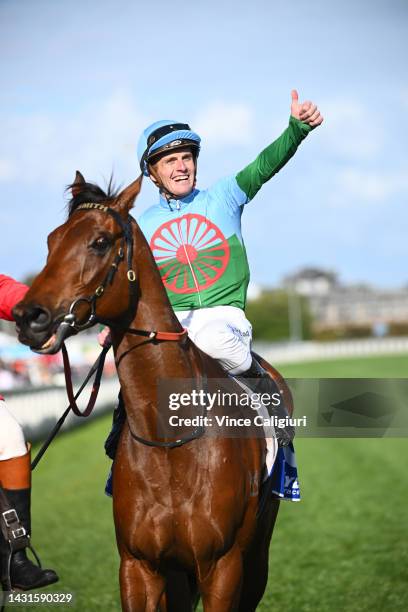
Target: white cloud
[(49, 148), (352, 129), (100, 137), (225, 123), (367, 186)]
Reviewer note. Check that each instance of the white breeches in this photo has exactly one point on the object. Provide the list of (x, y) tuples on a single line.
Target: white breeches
[(223, 332), (12, 443)]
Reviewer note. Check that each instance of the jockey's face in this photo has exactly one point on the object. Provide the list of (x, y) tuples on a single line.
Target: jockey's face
[(175, 172)]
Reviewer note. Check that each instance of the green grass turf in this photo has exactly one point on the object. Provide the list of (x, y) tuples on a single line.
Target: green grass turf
[(343, 547), (384, 366)]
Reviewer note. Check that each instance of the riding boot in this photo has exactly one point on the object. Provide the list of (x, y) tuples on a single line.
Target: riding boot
[(259, 381), (15, 477), (118, 420)]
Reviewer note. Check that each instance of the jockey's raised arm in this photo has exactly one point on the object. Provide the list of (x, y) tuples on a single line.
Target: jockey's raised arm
[(196, 239), (277, 154)]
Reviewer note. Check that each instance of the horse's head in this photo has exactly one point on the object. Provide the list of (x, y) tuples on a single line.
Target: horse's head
[(88, 276)]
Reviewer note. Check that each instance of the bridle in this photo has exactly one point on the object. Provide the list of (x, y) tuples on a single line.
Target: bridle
[(70, 320), (70, 324)]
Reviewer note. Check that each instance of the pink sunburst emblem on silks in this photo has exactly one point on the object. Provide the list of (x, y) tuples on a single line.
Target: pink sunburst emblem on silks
[(191, 253)]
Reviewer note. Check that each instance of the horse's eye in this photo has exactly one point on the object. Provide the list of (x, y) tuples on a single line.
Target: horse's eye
[(101, 244)]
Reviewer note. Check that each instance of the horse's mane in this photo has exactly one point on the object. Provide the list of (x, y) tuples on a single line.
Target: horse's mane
[(90, 193)]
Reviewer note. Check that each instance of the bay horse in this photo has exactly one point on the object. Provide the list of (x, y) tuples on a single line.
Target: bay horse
[(186, 513)]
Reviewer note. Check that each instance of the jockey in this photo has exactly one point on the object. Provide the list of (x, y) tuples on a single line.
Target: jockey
[(196, 239), (15, 476)]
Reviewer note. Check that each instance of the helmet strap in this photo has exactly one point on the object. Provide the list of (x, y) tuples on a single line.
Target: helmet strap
[(153, 177)]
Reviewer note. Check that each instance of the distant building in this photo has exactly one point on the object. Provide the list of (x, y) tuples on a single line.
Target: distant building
[(356, 306), (311, 282), (334, 305)]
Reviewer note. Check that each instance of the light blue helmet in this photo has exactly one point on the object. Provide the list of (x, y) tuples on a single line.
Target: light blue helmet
[(162, 136)]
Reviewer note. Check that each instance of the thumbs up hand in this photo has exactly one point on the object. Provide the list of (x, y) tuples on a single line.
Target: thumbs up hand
[(307, 112)]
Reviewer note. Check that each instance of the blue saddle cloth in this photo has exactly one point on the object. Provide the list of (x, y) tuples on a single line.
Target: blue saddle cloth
[(108, 485), (284, 476)]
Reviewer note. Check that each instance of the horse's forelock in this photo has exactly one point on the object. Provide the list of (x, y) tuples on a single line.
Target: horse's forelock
[(89, 192)]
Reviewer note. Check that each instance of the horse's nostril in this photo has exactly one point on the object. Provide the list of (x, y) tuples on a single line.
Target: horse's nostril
[(38, 318)]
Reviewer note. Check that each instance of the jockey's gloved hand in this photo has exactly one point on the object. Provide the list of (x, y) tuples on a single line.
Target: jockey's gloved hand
[(284, 435)]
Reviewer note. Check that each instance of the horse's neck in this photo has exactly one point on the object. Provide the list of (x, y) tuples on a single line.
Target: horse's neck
[(141, 363), (154, 310)]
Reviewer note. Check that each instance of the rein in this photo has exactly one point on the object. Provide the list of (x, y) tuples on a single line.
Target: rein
[(98, 365), (152, 336), (196, 433), (95, 387), (97, 369)]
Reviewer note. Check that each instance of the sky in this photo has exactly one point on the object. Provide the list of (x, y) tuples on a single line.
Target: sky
[(82, 79)]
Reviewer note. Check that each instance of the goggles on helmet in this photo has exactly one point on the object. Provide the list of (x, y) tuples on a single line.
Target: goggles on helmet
[(184, 137), (163, 131)]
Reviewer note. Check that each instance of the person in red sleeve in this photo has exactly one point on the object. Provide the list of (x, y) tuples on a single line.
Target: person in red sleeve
[(17, 571)]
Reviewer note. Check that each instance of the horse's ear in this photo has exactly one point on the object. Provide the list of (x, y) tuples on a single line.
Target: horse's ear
[(125, 199), (78, 184)]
